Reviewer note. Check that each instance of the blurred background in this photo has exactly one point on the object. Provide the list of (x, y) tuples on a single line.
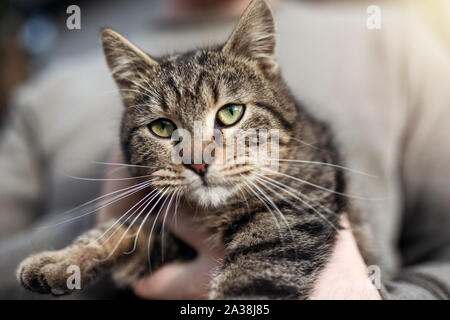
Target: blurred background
[(59, 110), (33, 32)]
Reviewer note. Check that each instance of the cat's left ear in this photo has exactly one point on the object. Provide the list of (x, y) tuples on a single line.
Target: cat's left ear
[(126, 61), (254, 36)]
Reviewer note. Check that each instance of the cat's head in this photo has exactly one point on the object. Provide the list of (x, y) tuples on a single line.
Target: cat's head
[(233, 88)]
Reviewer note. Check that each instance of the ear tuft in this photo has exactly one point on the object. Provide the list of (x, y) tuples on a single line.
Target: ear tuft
[(125, 60), (254, 36)]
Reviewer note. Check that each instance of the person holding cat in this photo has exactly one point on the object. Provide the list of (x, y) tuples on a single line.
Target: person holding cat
[(424, 270)]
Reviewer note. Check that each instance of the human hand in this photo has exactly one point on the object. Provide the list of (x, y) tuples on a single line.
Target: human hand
[(345, 277), (184, 280)]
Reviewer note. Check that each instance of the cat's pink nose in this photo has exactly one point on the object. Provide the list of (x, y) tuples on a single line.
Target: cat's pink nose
[(200, 168)]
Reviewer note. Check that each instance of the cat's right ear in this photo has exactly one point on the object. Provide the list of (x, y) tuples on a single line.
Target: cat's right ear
[(254, 36), (127, 62)]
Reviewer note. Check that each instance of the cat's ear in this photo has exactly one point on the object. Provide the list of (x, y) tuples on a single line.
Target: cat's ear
[(126, 61), (254, 36)]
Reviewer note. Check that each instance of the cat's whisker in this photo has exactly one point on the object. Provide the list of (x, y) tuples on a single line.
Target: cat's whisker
[(263, 179), (103, 196), (128, 229), (118, 220), (307, 162), (309, 144), (108, 179), (145, 202), (115, 199), (268, 180), (274, 205), (295, 191), (123, 164), (155, 221), (112, 171), (163, 226), (174, 218), (163, 192), (323, 188), (265, 205), (299, 193), (151, 234)]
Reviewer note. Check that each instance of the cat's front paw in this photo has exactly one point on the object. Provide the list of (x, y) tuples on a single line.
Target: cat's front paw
[(46, 272)]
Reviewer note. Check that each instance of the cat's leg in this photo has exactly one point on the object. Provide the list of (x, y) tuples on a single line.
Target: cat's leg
[(267, 262), (48, 272)]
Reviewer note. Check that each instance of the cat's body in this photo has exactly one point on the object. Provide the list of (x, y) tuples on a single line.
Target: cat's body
[(278, 228)]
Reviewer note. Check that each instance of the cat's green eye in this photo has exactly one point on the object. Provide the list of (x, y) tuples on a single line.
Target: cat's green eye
[(230, 114), (162, 128)]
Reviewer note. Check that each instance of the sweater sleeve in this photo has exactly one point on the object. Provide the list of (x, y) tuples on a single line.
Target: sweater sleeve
[(424, 239), (20, 169)]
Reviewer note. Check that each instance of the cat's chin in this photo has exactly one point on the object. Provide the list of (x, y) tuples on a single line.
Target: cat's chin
[(210, 196)]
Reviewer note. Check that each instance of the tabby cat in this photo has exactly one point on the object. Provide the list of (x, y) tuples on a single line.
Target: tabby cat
[(278, 226)]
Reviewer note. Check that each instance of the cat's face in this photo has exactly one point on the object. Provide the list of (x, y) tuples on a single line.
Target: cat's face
[(234, 89)]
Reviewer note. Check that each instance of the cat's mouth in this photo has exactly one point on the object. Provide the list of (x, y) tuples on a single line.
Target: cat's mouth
[(207, 191), (210, 188), (210, 194)]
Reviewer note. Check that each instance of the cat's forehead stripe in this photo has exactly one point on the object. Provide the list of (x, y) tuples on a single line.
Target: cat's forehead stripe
[(171, 84)]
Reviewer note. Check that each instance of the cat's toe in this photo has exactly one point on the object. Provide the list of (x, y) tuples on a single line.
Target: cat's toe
[(29, 272), (54, 278), (43, 273)]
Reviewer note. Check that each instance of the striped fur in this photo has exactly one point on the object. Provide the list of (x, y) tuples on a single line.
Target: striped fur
[(268, 257)]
